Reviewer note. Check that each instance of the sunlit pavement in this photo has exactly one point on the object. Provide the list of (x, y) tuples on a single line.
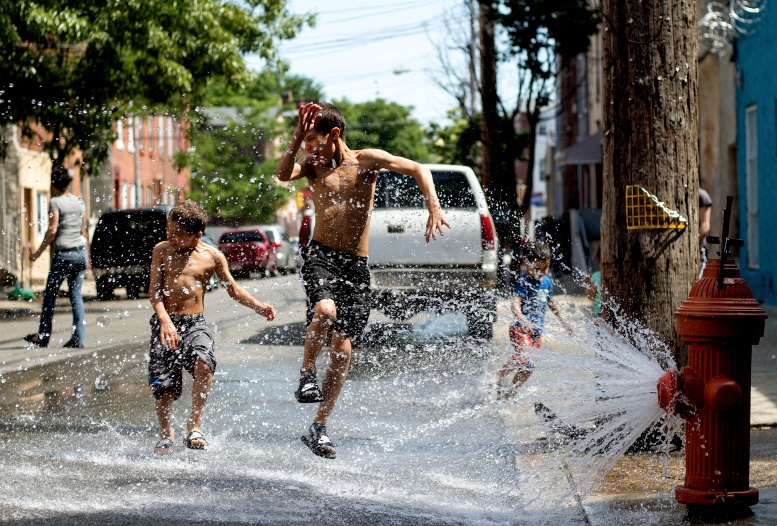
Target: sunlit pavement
[(420, 438)]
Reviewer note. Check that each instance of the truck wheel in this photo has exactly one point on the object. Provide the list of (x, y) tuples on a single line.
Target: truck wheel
[(104, 288), (479, 326)]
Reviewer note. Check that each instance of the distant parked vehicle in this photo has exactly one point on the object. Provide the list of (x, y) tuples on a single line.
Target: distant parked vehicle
[(121, 249), (284, 250), (248, 250)]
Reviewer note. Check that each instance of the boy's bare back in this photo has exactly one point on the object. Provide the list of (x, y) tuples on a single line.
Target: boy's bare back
[(184, 276)]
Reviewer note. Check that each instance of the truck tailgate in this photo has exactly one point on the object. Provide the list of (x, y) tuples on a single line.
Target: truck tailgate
[(397, 239)]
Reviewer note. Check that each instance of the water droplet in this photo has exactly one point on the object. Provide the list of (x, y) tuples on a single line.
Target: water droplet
[(103, 321)]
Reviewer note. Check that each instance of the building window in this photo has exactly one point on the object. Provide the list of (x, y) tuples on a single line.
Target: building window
[(140, 133), (124, 197), (161, 122), (42, 224), (751, 185), (150, 133), (131, 134), (120, 134), (176, 136), (170, 150)]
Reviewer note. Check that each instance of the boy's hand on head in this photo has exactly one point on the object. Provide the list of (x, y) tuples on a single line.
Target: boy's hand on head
[(434, 224), (265, 310), (308, 116)]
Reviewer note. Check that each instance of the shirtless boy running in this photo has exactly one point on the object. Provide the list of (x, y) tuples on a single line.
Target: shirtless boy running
[(180, 339), (334, 270)]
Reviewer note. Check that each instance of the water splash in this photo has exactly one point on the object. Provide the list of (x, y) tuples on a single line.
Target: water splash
[(590, 398)]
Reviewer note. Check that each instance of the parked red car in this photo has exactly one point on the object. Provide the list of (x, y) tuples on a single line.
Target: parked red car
[(248, 250)]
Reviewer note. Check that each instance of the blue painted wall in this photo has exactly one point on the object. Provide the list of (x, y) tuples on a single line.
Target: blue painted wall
[(757, 84)]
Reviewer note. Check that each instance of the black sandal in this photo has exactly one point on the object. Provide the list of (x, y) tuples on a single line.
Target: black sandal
[(319, 442), (195, 435), (164, 447)]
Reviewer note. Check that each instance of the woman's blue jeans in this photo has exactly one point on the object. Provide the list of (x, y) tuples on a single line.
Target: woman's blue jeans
[(70, 265)]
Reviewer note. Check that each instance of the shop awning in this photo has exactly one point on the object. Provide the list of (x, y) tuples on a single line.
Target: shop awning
[(587, 151)]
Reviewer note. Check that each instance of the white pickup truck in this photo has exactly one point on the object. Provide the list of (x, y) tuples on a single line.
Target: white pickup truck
[(457, 272)]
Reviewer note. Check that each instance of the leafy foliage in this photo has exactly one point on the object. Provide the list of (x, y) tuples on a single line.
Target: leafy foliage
[(73, 66), (458, 142), (536, 26), (384, 125), (234, 165), (230, 177)]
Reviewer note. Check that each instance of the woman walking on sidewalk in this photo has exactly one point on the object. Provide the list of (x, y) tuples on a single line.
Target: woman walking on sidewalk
[(67, 235)]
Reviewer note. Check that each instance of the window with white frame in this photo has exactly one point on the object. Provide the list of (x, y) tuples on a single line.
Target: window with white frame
[(140, 133), (131, 134), (124, 197), (751, 184), (120, 134), (170, 150), (161, 123), (150, 133), (176, 136)]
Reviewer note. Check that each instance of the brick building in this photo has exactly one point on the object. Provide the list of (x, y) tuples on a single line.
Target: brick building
[(141, 169)]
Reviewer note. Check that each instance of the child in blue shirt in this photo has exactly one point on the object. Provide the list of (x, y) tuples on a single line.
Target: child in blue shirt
[(533, 296)]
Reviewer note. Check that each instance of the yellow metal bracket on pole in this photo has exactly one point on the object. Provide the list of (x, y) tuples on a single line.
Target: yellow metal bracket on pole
[(645, 212)]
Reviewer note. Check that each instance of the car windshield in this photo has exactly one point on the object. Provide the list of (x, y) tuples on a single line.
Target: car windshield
[(270, 236), (241, 237), (395, 190), (132, 226)]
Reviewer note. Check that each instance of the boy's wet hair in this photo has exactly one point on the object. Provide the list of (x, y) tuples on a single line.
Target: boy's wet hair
[(537, 252), (60, 178), (190, 215), (331, 117)]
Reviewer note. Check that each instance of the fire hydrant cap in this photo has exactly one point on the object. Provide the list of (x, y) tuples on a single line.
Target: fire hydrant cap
[(712, 312)]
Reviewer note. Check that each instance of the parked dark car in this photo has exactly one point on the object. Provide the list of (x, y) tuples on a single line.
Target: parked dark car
[(121, 249), (248, 250)]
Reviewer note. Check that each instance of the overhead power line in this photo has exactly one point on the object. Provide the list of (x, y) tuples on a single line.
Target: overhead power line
[(317, 48)]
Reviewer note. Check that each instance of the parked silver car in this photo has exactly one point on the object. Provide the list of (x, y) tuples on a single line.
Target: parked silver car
[(279, 239)]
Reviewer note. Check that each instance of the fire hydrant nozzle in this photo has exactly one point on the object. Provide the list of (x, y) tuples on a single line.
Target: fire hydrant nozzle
[(681, 392)]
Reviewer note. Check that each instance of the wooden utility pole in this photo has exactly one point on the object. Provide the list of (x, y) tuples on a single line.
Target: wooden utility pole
[(651, 140)]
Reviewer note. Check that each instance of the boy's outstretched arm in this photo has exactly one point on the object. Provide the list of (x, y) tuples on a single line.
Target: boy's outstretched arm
[(553, 306), (238, 293), (288, 168), (425, 182)]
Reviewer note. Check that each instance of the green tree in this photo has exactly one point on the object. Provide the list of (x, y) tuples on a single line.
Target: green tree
[(538, 33), (73, 66), (457, 142), (230, 175), (384, 125)]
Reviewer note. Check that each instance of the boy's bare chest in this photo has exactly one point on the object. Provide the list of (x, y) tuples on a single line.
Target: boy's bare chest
[(344, 182), (194, 265)]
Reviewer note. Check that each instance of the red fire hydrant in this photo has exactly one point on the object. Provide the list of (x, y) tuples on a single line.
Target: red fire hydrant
[(720, 322)]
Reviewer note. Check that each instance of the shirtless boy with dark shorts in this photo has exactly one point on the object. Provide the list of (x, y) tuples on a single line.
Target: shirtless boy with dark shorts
[(180, 269), (334, 270)]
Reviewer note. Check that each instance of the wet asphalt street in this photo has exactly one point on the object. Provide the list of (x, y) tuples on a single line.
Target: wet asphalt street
[(420, 438)]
